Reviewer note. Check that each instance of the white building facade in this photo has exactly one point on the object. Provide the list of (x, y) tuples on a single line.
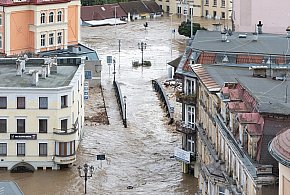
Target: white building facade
[(42, 116)]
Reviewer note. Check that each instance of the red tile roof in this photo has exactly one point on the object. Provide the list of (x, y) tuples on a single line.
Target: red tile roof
[(238, 107), (281, 145), (206, 58), (249, 59)]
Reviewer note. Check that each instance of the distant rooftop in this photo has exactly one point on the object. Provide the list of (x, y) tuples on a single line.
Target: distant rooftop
[(269, 93), (9, 188), (265, 44)]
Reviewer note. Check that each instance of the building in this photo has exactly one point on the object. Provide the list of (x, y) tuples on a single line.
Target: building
[(10, 187), (274, 16), (234, 102), (216, 9), (279, 148), (42, 112), (35, 25), (135, 10)]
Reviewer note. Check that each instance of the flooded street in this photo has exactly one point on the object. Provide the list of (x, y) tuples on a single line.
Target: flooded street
[(140, 155)]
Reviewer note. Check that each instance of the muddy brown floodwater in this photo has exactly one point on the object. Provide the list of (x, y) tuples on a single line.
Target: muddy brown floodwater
[(140, 155)]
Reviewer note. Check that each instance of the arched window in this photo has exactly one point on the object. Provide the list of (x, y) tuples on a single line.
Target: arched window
[(59, 16), (50, 17), (42, 18)]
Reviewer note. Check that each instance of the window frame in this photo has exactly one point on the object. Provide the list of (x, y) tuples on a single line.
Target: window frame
[(42, 151), (4, 107), (18, 127), (51, 17), (41, 103), (4, 153), (42, 18), (50, 38), (44, 129), (59, 38), (19, 149), (42, 40), (63, 124), (5, 129), (20, 105), (64, 101), (59, 16)]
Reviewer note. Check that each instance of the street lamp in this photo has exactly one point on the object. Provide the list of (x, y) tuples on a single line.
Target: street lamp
[(125, 110), (114, 63), (88, 172), (142, 46)]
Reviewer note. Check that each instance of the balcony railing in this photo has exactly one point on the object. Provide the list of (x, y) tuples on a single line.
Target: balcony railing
[(65, 131), (187, 99), (182, 127)]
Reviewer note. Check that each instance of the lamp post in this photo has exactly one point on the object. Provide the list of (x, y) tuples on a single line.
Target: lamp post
[(88, 172), (114, 63), (125, 111), (142, 47)]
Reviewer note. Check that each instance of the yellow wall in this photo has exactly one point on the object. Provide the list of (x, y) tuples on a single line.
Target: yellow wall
[(21, 38), (284, 180), (73, 24)]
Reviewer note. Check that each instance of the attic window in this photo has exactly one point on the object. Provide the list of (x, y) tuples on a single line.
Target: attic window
[(103, 8)]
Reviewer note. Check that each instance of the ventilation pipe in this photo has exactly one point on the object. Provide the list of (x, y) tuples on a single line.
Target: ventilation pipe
[(259, 27), (34, 78)]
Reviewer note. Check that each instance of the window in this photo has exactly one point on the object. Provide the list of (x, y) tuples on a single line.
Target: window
[(20, 102), (3, 149), (189, 87), (206, 13), (206, 2), (59, 37), (42, 149), (50, 38), (190, 112), (50, 17), (1, 41), (223, 15), (65, 148), (88, 74), (64, 101), (221, 190), (223, 3), (59, 15), (3, 125), (63, 124), (214, 14), (20, 149), (20, 125), (3, 102), (43, 102), (42, 18), (42, 126), (42, 40), (0, 19), (190, 144), (214, 2), (179, 10)]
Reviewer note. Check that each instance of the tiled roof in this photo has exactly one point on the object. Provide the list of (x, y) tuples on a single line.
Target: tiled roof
[(153, 7), (238, 107), (206, 58), (205, 77), (101, 12), (249, 59), (248, 117), (134, 7), (280, 148)]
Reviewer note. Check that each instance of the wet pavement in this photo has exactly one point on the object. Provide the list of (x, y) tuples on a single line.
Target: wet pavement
[(139, 156)]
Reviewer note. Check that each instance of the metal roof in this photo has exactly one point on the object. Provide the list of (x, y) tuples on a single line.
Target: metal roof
[(9, 188)]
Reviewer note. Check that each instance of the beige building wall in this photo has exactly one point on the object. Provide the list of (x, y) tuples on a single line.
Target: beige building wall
[(284, 180)]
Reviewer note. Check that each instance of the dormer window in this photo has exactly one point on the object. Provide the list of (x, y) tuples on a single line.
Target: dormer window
[(50, 17)]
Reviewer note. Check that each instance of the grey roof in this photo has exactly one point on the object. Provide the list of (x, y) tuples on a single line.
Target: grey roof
[(9, 188), (270, 94), (61, 78), (266, 44)]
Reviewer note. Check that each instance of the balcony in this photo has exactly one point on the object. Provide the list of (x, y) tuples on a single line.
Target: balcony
[(67, 135), (65, 159), (185, 128), (186, 99)]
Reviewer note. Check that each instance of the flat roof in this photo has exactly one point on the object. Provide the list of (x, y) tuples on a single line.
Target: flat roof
[(269, 93), (62, 78), (10, 187), (266, 43)]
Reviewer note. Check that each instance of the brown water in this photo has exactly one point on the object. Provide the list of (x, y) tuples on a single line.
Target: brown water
[(140, 155)]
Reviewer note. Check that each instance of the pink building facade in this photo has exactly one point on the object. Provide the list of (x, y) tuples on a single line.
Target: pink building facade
[(275, 16)]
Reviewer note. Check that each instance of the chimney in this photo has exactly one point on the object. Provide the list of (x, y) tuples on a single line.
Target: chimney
[(259, 27), (288, 32), (53, 65), (255, 36), (20, 67), (43, 71), (224, 36), (35, 78)]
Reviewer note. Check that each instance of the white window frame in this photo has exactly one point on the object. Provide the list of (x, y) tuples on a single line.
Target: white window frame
[(189, 113), (189, 87), (42, 40), (46, 148), (51, 17), (51, 39), (1, 41), (191, 143), (42, 18), (59, 38), (1, 19), (6, 148), (59, 16), (24, 149)]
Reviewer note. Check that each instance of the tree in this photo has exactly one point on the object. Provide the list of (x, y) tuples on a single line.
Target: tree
[(184, 28)]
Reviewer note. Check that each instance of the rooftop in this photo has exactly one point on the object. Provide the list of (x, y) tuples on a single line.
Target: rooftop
[(9, 187), (269, 93), (8, 72), (266, 43)]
